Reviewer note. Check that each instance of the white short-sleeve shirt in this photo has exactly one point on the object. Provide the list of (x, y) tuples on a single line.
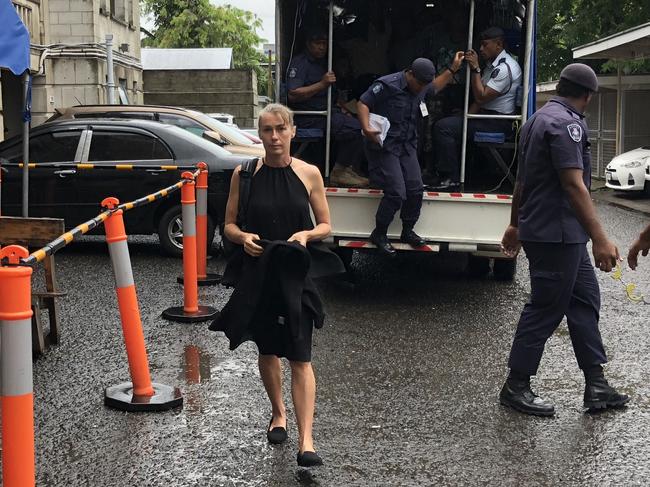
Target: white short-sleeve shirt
[(504, 76)]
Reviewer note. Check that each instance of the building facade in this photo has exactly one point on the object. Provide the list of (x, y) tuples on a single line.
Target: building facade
[(68, 57)]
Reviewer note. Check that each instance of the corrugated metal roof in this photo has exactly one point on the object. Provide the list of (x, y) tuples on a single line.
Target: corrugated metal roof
[(206, 58)]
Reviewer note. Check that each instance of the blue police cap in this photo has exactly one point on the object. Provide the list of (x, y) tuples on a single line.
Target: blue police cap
[(582, 75), (423, 70)]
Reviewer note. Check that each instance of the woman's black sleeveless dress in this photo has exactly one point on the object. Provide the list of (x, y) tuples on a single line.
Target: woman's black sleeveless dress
[(279, 207)]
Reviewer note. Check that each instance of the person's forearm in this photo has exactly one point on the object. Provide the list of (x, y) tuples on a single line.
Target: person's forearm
[(234, 233), (442, 80), (478, 90), (319, 232), (514, 210), (306, 92), (363, 115), (585, 211)]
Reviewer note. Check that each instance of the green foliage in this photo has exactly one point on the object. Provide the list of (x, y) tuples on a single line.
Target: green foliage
[(566, 24), (198, 23)]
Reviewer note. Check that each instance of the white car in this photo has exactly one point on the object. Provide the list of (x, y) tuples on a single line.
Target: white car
[(630, 171)]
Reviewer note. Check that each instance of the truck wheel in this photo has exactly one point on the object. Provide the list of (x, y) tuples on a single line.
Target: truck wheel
[(170, 232), (505, 269), (345, 254), (478, 266)]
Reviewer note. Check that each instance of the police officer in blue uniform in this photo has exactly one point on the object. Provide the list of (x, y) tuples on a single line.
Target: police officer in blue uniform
[(553, 217), (392, 163), (494, 89), (307, 83)]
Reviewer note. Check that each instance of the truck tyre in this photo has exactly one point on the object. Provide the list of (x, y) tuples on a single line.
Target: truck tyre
[(170, 232), (345, 254), (505, 269), (478, 266)]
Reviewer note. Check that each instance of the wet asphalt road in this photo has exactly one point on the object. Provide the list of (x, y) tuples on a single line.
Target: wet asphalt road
[(408, 366)]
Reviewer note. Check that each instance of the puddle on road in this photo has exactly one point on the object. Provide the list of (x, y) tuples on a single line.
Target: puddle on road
[(196, 365)]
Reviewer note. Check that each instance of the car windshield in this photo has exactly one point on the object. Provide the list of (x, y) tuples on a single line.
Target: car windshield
[(229, 133)]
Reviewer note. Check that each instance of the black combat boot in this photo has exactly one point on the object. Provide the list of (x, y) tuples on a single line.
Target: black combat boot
[(410, 237), (599, 395), (380, 239), (517, 394)]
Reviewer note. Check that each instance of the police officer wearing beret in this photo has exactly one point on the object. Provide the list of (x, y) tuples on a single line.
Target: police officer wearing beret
[(494, 90), (393, 165), (307, 82), (553, 217)]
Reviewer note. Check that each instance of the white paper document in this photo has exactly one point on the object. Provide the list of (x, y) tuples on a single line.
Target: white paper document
[(377, 122)]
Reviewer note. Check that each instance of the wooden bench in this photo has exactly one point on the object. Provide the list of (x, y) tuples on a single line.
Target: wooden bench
[(34, 233)]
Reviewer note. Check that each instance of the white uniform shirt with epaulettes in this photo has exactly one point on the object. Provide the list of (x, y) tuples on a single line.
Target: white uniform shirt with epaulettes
[(503, 75)]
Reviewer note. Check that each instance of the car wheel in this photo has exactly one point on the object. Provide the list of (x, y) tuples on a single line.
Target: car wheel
[(505, 269), (478, 266), (646, 188), (170, 231)]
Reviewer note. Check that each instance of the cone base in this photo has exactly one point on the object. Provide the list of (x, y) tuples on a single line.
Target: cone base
[(209, 280), (177, 313), (121, 397)]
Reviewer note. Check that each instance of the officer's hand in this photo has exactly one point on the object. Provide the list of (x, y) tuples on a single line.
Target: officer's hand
[(300, 237), (250, 247), (606, 255), (510, 244), (372, 135), (472, 58), (458, 60), (639, 245), (328, 78)]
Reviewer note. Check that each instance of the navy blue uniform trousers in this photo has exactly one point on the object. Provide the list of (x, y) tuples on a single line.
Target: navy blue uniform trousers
[(563, 283), (400, 178)]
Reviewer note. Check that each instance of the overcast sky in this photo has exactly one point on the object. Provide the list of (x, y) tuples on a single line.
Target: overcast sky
[(264, 9)]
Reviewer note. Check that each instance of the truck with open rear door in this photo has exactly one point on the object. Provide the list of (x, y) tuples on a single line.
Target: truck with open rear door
[(371, 38)]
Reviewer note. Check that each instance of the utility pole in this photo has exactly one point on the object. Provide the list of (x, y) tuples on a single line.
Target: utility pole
[(109, 69)]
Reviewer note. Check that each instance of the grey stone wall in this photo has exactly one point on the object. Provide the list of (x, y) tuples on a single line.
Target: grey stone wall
[(231, 91)]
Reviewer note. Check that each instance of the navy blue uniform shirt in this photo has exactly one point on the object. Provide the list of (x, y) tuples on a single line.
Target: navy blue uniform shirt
[(390, 97), (554, 138), (306, 70)]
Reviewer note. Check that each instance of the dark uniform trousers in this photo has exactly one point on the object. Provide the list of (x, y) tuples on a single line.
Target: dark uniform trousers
[(448, 135), (563, 283), (398, 174)]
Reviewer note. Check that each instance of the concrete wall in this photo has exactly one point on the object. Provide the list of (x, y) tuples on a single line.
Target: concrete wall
[(231, 91)]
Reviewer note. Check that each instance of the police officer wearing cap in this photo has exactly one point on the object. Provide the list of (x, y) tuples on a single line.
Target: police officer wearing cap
[(494, 90), (307, 82), (553, 217), (392, 164)]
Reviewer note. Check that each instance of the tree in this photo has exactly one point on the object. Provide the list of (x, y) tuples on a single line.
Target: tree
[(565, 24), (197, 23)]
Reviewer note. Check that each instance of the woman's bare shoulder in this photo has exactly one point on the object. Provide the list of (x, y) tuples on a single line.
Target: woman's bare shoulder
[(304, 167)]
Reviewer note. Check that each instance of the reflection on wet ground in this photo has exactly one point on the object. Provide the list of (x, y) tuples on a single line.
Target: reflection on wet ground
[(409, 365)]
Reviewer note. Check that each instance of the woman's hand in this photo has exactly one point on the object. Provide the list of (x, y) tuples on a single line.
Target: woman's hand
[(301, 237), (250, 247)]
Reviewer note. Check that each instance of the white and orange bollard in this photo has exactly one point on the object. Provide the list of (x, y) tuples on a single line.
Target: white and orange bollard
[(190, 312), (203, 278), (140, 394), (18, 468)]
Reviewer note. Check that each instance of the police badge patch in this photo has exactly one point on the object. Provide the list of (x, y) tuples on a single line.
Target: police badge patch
[(495, 73), (575, 131), (292, 73), (377, 88)]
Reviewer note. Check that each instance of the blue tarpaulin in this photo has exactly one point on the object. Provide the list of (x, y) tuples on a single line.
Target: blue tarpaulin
[(14, 40)]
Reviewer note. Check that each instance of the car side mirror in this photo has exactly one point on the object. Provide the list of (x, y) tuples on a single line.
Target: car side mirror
[(214, 137)]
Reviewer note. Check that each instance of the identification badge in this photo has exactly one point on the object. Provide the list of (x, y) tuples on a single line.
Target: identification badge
[(423, 109)]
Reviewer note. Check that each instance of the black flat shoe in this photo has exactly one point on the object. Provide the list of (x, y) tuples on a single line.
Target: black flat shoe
[(383, 244), (276, 435), (518, 395), (309, 459), (412, 238)]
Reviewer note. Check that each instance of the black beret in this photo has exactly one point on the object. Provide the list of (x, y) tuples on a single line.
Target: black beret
[(492, 33), (582, 75), (423, 70)]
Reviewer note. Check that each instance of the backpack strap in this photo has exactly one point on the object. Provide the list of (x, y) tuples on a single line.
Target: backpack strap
[(245, 179)]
